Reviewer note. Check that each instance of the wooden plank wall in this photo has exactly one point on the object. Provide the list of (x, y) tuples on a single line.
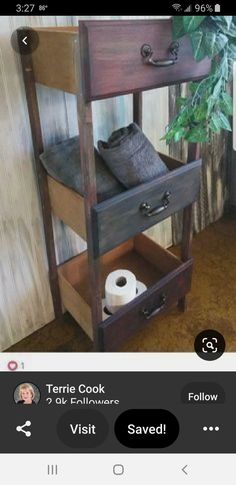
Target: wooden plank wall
[(25, 300)]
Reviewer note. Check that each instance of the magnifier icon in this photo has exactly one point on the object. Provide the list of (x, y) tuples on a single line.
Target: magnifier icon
[(209, 345)]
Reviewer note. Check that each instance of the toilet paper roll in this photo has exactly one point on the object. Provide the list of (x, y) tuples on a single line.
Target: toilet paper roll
[(140, 288), (120, 288), (105, 311)]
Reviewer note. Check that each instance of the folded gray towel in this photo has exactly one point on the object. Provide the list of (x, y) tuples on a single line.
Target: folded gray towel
[(62, 162), (131, 157)]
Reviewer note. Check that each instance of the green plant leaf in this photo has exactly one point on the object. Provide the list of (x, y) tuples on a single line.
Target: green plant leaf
[(226, 104), (210, 104), (223, 121), (180, 101), (217, 88), (232, 30), (193, 86), (229, 30), (207, 106), (214, 124), (168, 136), (232, 49), (225, 66), (226, 20), (191, 23), (179, 134), (197, 134), (214, 43), (200, 112), (198, 44), (178, 27)]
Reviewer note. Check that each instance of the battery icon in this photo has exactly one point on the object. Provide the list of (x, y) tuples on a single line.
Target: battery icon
[(217, 7)]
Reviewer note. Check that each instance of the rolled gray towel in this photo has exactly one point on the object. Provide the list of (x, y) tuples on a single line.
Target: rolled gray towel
[(62, 162), (131, 157)]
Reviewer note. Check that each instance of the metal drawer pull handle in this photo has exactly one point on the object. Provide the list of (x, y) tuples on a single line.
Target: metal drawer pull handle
[(147, 52), (147, 210), (149, 314)]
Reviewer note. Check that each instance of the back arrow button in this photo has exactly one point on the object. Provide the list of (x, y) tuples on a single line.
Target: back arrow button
[(184, 470), (24, 40)]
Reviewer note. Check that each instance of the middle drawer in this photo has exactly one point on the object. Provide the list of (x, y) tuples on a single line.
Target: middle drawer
[(133, 211)]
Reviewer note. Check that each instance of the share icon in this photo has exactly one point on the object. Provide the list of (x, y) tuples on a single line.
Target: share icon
[(21, 429)]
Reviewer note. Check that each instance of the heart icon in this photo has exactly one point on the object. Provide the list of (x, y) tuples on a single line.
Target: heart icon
[(12, 365)]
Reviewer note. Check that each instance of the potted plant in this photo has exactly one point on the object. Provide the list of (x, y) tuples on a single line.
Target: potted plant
[(208, 106)]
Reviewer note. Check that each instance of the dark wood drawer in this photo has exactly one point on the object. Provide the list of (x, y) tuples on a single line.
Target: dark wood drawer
[(113, 63), (166, 277), (112, 60), (117, 219), (135, 315)]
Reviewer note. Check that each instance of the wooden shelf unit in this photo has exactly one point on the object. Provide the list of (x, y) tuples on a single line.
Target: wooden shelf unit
[(101, 59)]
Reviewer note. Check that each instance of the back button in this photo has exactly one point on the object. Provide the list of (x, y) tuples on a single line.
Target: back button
[(24, 40)]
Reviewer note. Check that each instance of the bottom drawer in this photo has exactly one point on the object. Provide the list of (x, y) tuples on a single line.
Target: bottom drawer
[(166, 277), (144, 308)]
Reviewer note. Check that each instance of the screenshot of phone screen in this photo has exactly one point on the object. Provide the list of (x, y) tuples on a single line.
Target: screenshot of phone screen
[(117, 245)]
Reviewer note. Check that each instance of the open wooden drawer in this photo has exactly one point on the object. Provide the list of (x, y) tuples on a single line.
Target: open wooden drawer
[(166, 277), (118, 65), (133, 210)]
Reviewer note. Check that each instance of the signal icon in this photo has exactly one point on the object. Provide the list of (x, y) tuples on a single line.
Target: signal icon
[(188, 9), (177, 7)]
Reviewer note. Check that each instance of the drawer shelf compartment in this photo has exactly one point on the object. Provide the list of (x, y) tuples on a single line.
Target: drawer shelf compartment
[(165, 276)]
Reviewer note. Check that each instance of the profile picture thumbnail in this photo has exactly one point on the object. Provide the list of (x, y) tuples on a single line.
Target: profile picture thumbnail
[(27, 393)]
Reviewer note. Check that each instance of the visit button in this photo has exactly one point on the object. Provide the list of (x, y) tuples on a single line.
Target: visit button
[(84, 428), (147, 428)]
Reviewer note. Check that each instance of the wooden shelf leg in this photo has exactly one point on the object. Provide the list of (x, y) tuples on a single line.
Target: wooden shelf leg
[(85, 120), (32, 102), (186, 245), (138, 108)]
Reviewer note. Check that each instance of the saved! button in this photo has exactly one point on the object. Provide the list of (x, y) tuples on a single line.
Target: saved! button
[(147, 428)]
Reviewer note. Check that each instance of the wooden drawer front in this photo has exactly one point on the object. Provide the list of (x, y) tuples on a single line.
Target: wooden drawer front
[(138, 313), (121, 217), (112, 60)]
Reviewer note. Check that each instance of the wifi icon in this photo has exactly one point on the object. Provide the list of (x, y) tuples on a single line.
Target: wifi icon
[(177, 7)]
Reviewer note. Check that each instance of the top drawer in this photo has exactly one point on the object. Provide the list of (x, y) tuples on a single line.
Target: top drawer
[(112, 63)]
